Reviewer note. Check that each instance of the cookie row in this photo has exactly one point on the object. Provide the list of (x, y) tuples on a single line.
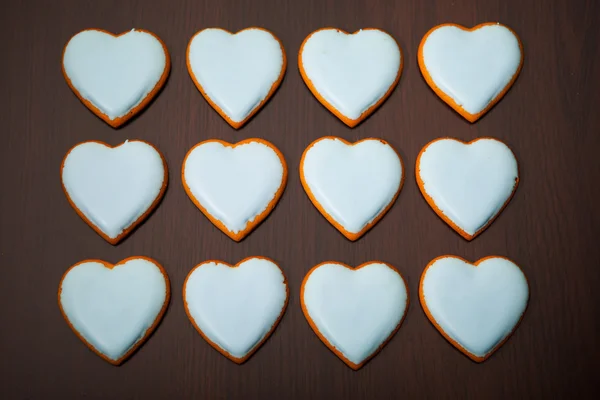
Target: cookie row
[(354, 311), (116, 76), (237, 185)]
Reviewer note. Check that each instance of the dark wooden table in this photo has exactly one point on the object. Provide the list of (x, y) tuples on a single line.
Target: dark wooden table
[(550, 118)]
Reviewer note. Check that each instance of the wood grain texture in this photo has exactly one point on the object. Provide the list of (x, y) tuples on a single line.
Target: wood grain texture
[(550, 119)]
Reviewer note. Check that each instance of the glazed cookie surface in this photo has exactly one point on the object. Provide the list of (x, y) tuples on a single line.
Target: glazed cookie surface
[(113, 189), (476, 307), (354, 311), (236, 308), (467, 184), (470, 69), (115, 76), (235, 185), (350, 74), (114, 308), (236, 72), (352, 184)]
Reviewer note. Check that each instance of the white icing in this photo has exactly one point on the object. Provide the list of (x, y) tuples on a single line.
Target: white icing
[(352, 183), (234, 184), (115, 74), (236, 307), (477, 307), (355, 310), (238, 70), (113, 187), (351, 71), (469, 183), (113, 308), (473, 68)]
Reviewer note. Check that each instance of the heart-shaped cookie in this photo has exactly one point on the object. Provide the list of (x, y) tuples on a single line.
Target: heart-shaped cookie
[(467, 184), (350, 74), (236, 73), (470, 69), (352, 184), (114, 188), (235, 185), (236, 308), (115, 76), (114, 308), (476, 307), (354, 311)]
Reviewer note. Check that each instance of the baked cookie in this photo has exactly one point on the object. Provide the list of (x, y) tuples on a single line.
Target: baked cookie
[(352, 184), (236, 72), (115, 76), (113, 309), (236, 308), (476, 307), (234, 185), (113, 189), (354, 311), (467, 184), (470, 69), (350, 74)]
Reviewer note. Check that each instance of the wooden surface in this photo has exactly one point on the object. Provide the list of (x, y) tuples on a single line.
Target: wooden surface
[(550, 118)]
